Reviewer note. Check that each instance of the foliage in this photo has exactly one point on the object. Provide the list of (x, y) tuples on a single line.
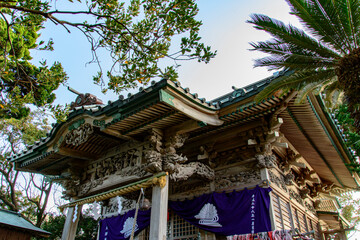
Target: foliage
[(87, 227), (24, 193), (326, 55), (351, 209), (22, 82), (347, 123), (137, 34), (350, 202)]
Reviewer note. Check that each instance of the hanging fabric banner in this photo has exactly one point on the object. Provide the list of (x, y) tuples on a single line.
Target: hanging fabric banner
[(227, 214), (120, 227)]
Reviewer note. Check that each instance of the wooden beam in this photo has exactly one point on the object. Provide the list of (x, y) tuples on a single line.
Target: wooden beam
[(77, 154), (116, 134), (103, 134), (184, 127), (190, 109)]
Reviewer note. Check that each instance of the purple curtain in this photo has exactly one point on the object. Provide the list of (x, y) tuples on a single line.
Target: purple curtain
[(227, 214), (120, 227)]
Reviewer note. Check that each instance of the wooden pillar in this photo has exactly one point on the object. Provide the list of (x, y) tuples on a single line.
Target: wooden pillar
[(70, 226), (264, 174), (159, 210)]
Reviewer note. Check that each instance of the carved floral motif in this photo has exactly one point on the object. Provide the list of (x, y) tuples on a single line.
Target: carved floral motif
[(279, 181), (324, 188), (70, 188), (265, 161), (310, 207), (167, 159), (289, 178), (291, 160), (307, 176), (304, 193), (79, 135), (196, 187), (125, 163), (296, 196), (225, 181)]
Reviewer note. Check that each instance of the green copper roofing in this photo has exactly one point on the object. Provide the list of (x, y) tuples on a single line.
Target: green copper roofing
[(118, 110), (14, 220)]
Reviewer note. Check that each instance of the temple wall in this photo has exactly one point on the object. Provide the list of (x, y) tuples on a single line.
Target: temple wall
[(290, 209)]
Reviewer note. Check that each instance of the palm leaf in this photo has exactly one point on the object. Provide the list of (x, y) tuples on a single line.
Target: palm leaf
[(347, 14), (317, 22), (294, 37), (349, 11), (295, 62)]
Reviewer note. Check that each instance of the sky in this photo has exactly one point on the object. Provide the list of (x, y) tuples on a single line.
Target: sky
[(224, 29)]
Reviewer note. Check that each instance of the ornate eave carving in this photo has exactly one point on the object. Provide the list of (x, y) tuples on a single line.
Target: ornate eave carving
[(164, 157), (122, 165), (291, 161), (79, 135)]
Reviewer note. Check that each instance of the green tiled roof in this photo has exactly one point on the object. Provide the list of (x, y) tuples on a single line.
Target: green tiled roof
[(14, 220)]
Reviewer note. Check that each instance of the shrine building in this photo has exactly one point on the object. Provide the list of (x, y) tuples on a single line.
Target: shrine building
[(166, 164)]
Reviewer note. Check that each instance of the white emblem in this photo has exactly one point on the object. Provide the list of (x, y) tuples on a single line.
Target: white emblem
[(208, 216), (127, 228)]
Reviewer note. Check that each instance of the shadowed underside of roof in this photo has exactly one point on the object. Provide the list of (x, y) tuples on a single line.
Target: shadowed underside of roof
[(316, 142)]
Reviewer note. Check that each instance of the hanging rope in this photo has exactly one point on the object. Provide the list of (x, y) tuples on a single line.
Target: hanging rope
[(141, 196)]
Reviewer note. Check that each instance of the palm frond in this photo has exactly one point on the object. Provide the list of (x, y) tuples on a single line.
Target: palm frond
[(296, 81), (278, 47), (332, 15), (294, 37), (295, 62), (347, 16), (350, 16), (320, 22)]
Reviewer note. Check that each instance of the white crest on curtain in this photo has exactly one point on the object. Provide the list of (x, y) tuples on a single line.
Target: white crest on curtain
[(127, 228), (208, 216)]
